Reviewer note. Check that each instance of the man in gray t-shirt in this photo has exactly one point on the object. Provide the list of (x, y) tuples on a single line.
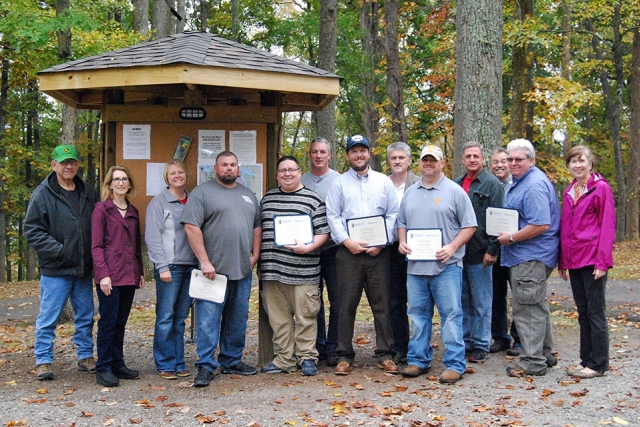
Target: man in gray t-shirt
[(222, 221)]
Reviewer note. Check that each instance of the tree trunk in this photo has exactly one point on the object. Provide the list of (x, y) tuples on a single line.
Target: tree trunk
[(522, 70), (613, 107), (371, 47), (204, 15), (4, 89), (326, 119), (69, 118), (181, 7), (633, 171), (566, 60), (161, 19), (235, 22), (478, 91), (141, 16), (395, 106)]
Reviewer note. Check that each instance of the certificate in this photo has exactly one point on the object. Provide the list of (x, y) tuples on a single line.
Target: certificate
[(288, 228), (499, 219), (371, 229), (211, 290), (424, 243)]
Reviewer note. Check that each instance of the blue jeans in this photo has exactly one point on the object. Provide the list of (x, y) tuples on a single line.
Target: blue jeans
[(114, 312), (477, 296), (225, 322), (443, 290), (327, 339), (172, 309), (54, 293)]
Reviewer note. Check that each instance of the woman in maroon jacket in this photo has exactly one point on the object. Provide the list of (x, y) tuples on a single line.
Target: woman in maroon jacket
[(117, 263)]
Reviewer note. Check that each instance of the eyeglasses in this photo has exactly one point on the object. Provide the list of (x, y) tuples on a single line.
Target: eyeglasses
[(69, 162), (283, 171), (516, 159), (120, 180)]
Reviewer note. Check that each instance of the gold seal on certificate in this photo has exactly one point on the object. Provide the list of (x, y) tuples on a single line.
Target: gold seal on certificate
[(288, 228), (499, 219), (424, 243), (211, 290), (371, 229)]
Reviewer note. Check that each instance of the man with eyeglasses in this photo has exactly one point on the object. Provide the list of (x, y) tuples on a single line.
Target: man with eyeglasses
[(358, 193), (58, 227), (499, 307), (290, 273), (484, 191), (531, 254), (222, 222), (319, 179)]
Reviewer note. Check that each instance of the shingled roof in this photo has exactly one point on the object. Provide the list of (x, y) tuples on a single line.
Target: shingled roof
[(195, 48), (194, 61)]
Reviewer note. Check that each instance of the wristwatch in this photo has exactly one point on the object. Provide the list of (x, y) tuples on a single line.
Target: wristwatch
[(511, 238)]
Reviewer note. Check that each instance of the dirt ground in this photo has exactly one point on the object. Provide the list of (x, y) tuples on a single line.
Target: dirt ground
[(367, 397)]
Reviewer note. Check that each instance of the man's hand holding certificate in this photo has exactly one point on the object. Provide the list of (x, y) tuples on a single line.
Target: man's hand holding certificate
[(372, 230), (203, 288)]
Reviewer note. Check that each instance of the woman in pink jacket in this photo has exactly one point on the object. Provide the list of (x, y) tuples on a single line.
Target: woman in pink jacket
[(587, 233)]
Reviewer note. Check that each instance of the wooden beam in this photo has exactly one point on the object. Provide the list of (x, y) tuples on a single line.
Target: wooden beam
[(188, 74), (170, 114)]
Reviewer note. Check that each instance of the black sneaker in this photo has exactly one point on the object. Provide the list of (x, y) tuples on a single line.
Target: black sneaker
[(271, 368), (107, 379), (240, 369), (332, 359), (498, 346), (125, 373), (552, 360), (44, 372), (203, 378), (515, 350), (478, 356)]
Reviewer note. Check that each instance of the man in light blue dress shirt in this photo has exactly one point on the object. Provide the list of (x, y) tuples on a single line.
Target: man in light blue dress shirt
[(362, 192)]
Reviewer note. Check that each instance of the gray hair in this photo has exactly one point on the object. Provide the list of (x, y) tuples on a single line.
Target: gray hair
[(322, 140), (399, 146), (471, 144), (522, 144), (498, 151)]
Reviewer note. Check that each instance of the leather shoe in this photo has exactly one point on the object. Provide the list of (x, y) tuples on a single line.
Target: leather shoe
[(332, 359), (343, 368), (107, 379), (519, 372), (498, 346), (125, 373), (552, 360), (413, 371), (388, 366), (203, 378), (575, 373), (449, 377)]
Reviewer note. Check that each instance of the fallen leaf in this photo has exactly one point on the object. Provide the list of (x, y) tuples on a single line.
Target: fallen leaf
[(290, 423), (87, 414), (580, 393), (546, 392), (135, 420), (108, 421), (340, 408), (619, 420), (43, 391)]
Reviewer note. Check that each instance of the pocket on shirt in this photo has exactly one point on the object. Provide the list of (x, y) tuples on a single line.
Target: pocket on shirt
[(311, 304)]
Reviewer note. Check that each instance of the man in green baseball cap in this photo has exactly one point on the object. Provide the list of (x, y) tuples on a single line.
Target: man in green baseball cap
[(65, 152), (58, 227)]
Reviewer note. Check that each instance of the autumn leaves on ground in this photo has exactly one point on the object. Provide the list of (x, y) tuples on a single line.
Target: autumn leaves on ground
[(485, 397)]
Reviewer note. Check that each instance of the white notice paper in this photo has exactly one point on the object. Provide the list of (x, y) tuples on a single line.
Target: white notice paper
[(242, 143), (210, 144), (210, 290), (499, 219), (136, 142), (155, 179)]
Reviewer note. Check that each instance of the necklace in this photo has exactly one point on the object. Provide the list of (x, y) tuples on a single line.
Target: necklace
[(122, 209)]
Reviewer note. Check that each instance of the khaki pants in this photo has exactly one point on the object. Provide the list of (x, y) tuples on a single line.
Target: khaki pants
[(292, 311)]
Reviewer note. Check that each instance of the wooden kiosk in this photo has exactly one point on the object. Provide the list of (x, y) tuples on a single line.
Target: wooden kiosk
[(188, 84), (196, 85)]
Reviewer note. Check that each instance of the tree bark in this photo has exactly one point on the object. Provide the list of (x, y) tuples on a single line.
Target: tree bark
[(235, 21), (395, 105), (633, 171), (161, 24), (372, 53), (566, 60), (326, 119), (141, 16), (522, 69), (613, 107), (478, 91), (4, 90)]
